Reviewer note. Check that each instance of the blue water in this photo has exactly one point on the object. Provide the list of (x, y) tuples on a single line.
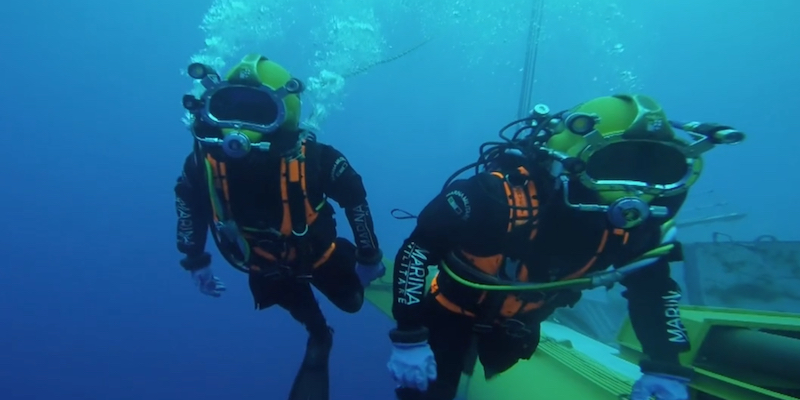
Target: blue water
[(93, 304)]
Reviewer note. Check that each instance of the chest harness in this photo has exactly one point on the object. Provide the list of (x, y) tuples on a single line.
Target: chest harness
[(507, 296), (254, 250)]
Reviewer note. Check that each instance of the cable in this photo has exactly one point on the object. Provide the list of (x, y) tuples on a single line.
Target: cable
[(529, 71)]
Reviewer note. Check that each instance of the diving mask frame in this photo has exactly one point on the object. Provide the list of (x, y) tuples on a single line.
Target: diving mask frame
[(236, 143), (648, 126), (631, 210)]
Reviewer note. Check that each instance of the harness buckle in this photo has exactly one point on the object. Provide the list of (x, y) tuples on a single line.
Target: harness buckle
[(516, 178), (300, 234), (276, 245), (515, 328), (512, 327), (482, 328), (278, 271)]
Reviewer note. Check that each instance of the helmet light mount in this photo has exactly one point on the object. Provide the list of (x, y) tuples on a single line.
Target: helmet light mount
[(203, 73), (207, 77)]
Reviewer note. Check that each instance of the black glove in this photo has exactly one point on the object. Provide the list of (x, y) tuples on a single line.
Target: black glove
[(195, 262)]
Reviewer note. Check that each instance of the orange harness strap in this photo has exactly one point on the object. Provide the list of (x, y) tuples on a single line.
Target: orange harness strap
[(513, 305), (293, 172), (523, 203), (523, 209), (293, 190)]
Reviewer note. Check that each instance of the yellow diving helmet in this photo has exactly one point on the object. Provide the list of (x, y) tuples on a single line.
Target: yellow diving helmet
[(630, 155), (258, 100)]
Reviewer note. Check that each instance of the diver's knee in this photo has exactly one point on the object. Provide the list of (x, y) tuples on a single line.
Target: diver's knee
[(351, 304)]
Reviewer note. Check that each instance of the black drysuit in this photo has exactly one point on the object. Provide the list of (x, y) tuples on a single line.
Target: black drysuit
[(254, 187), (472, 216)]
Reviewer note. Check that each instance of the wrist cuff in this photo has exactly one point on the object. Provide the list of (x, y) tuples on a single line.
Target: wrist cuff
[(369, 257), (195, 262), (407, 337), (654, 367)]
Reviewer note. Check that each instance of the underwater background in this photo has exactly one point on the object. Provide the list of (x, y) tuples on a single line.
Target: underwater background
[(93, 303)]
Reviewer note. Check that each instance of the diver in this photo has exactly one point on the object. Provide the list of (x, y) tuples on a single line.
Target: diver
[(573, 200), (261, 184)]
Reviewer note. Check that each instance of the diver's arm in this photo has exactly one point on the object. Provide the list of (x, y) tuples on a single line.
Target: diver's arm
[(441, 226), (192, 208), (343, 184), (653, 298)]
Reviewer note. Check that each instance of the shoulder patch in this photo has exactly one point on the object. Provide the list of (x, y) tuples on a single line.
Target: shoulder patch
[(459, 202), (339, 166)]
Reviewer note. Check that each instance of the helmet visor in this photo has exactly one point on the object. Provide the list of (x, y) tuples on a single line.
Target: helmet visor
[(651, 163), (244, 104)]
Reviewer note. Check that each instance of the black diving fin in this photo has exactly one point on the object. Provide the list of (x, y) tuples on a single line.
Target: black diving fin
[(311, 382)]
